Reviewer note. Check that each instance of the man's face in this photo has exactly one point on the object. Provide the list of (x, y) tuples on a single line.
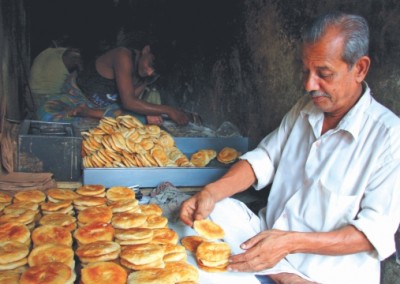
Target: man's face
[(146, 61), (328, 79)]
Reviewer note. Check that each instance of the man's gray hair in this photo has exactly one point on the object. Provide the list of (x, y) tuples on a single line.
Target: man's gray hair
[(353, 28)]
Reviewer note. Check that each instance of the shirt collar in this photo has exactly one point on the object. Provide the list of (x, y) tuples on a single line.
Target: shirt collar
[(351, 122)]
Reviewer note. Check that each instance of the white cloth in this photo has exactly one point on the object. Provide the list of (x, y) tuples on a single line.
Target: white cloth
[(348, 175)]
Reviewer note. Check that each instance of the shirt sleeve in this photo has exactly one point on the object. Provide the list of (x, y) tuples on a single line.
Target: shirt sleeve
[(379, 216), (265, 158)]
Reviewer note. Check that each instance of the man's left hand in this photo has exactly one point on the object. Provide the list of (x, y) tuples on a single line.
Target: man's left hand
[(262, 251)]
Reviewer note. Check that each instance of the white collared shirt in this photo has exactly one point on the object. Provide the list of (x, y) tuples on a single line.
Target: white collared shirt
[(348, 175)]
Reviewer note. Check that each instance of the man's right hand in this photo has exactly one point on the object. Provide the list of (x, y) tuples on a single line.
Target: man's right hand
[(179, 117), (197, 207)]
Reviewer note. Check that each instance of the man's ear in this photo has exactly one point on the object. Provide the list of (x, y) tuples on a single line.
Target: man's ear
[(361, 68)]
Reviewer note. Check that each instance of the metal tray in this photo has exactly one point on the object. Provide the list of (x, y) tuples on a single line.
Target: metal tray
[(184, 177)]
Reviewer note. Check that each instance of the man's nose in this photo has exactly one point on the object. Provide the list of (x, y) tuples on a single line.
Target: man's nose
[(311, 82)]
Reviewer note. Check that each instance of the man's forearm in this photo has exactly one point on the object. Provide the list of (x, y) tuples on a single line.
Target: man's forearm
[(346, 240), (239, 178)]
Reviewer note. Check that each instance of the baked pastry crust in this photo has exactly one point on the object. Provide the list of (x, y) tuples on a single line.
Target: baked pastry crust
[(91, 189), (48, 273), (202, 157), (151, 209), (142, 254), (95, 214), (192, 242), (59, 219), (213, 256), (58, 194), (14, 231), (48, 253), (12, 251), (94, 232), (5, 198), (103, 273), (9, 277), (165, 236), (33, 195), (154, 222), (228, 155), (127, 220), (50, 234), (208, 229), (117, 193)]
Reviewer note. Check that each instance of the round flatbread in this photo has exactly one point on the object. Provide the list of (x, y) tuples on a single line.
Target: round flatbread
[(103, 273), (208, 229), (192, 242)]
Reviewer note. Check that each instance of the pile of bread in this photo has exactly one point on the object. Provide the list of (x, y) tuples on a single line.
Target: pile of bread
[(114, 238), (125, 142), (211, 254)]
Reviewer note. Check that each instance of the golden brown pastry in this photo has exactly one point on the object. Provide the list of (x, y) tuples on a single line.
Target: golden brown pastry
[(103, 273), (129, 220), (24, 216), (12, 251), (117, 193), (131, 205), (94, 232), (213, 256), (208, 229), (192, 242), (142, 254), (58, 194), (9, 277), (91, 190), (133, 236), (90, 201), (228, 155), (33, 195), (48, 253), (48, 273), (14, 231), (59, 219), (154, 221), (65, 205), (151, 209), (183, 271), (202, 157), (165, 236), (98, 251), (50, 234), (174, 253), (95, 214), (5, 198)]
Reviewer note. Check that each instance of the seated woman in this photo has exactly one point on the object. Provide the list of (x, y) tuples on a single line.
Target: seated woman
[(113, 84)]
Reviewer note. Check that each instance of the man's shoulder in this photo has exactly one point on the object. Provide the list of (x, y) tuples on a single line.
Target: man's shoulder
[(383, 115)]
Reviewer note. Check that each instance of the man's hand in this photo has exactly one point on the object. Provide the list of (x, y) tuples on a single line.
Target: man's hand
[(179, 117), (197, 207), (262, 251)]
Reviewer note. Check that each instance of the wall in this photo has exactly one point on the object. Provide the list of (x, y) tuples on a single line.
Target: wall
[(230, 60)]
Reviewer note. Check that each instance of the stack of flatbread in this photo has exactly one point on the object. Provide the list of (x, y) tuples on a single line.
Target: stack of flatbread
[(126, 142), (117, 241), (211, 254)]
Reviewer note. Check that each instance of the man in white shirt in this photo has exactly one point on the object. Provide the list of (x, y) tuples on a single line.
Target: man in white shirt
[(334, 165)]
